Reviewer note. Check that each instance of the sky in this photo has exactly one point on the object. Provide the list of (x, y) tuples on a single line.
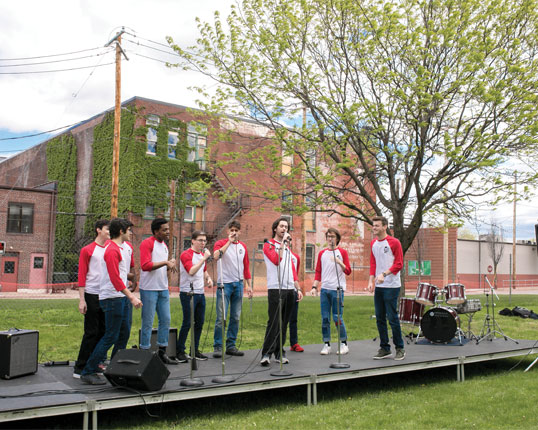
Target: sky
[(33, 103)]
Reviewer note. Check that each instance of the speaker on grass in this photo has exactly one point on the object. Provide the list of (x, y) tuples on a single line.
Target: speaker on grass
[(18, 352), (140, 369)]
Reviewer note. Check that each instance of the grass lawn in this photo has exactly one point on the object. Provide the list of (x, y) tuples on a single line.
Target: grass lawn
[(494, 395)]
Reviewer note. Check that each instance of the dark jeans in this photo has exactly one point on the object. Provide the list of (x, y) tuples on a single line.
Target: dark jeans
[(386, 307), (94, 329), (271, 343), (118, 317), (293, 322), (199, 316)]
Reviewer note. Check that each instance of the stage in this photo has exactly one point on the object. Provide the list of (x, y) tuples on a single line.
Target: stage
[(53, 391)]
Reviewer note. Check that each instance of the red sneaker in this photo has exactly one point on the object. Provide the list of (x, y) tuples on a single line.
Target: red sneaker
[(297, 348)]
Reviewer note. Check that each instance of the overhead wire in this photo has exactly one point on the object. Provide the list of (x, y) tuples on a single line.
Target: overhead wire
[(51, 55)]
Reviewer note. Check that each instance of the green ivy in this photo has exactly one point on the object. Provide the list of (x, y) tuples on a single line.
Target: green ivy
[(62, 168)]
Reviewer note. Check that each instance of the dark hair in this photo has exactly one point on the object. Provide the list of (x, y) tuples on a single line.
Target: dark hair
[(234, 223), (119, 225), (100, 224), (156, 224), (335, 232), (278, 221), (198, 233), (384, 221)]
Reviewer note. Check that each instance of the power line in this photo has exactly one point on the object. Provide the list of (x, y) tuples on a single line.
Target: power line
[(151, 58), (36, 134), (174, 53), (51, 55), (55, 61), (53, 71)]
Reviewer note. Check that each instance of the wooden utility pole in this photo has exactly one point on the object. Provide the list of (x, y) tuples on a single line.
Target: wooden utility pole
[(117, 124)]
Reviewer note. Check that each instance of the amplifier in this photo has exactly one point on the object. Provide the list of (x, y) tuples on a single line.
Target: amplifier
[(18, 352), (172, 339), (140, 369)]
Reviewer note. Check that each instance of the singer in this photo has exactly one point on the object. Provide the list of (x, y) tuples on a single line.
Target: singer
[(281, 278), (331, 270), (193, 270)]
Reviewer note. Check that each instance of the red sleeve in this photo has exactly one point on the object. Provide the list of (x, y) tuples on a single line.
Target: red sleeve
[(298, 259), (219, 244), (372, 259), (269, 251), (146, 249), (112, 260), (186, 259), (396, 248), (317, 277), (83, 265), (246, 263), (294, 270), (345, 260)]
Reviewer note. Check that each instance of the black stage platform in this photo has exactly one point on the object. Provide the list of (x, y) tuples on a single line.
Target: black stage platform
[(53, 391)]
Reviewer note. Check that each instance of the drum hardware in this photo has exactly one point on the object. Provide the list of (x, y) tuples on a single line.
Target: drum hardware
[(410, 312), (491, 327), (469, 308)]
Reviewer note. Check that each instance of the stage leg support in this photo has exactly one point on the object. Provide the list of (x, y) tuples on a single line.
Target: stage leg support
[(460, 369)]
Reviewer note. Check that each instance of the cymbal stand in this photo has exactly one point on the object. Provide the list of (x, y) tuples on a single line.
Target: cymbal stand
[(491, 327)]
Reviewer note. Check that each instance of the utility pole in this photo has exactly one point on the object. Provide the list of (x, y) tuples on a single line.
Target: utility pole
[(117, 124)]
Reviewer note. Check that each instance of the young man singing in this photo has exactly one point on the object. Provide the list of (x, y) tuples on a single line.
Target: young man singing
[(154, 292)]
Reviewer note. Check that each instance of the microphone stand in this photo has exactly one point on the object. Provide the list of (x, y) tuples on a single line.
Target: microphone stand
[(339, 364), (223, 379), (192, 381), (281, 371)]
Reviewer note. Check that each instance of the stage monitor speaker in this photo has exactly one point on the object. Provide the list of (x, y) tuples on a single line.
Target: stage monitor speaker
[(172, 339), (137, 368), (18, 352)]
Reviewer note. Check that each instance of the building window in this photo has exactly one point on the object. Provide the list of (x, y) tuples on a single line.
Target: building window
[(38, 262), (310, 250), (173, 139), (197, 140), (260, 246), (9, 267), (20, 218), (310, 217), (149, 212), (151, 138)]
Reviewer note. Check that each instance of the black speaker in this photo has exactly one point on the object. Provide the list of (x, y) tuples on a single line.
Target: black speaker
[(137, 368), (18, 352), (172, 340)]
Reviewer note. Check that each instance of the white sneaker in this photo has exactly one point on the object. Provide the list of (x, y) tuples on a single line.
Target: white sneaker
[(326, 350), (344, 349)]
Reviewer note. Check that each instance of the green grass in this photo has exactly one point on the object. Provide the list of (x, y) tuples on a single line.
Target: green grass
[(493, 395)]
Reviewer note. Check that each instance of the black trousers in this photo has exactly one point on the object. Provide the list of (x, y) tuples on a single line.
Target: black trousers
[(94, 329), (271, 343)]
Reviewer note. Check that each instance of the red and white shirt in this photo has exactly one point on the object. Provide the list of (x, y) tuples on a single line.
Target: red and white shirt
[(234, 263), (386, 255), (153, 251), (188, 259), (279, 266), (90, 267), (118, 261), (330, 273)]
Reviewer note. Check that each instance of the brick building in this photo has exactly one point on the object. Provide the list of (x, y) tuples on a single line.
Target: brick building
[(27, 228)]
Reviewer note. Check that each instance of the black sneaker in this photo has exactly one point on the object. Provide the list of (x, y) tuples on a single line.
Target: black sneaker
[(234, 351), (217, 353), (200, 356), (182, 357), (165, 359), (76, 373), (92, 379)]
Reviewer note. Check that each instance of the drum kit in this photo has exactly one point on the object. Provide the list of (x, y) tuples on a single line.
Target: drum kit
[(440, 324)]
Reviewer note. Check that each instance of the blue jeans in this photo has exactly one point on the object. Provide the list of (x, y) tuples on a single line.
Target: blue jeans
[(118, 317), (233, 297), (155, 301), (386, 307), (329, 305), (199, 316)]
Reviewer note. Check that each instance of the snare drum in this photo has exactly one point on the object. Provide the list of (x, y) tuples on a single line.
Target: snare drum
[(426, 293), (470, 306), (439, 325), (410, 311), (455, 294)]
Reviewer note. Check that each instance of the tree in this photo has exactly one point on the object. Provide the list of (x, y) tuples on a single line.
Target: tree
[(413, 107), (494, 240)]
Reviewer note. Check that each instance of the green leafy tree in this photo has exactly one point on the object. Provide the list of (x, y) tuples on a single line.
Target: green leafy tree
[(413, 108)]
